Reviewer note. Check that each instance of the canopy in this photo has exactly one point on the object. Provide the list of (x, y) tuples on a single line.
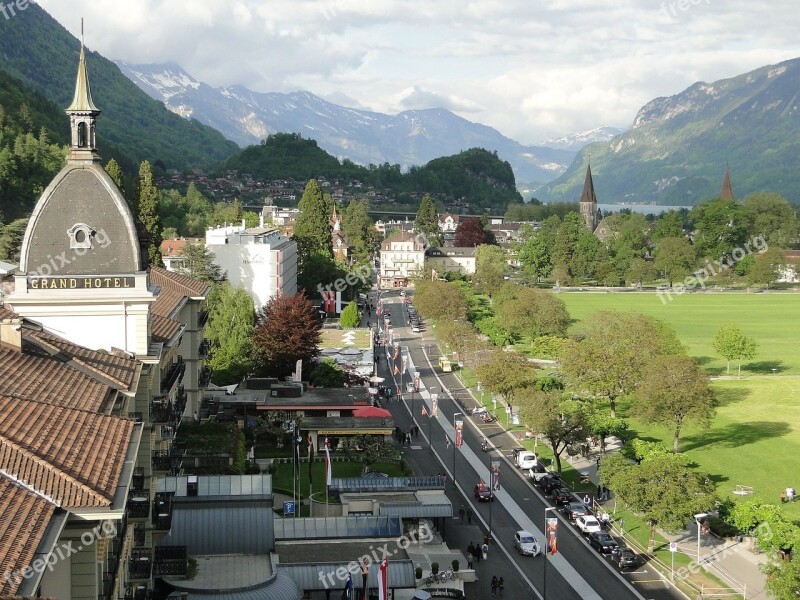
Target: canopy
[(377, 379), (371, 411)]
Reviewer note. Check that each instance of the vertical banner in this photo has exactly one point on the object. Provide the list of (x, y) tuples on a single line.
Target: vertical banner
[(551, 534), (435, 405), (298, 371), (459, 433), (416, 382), (383, 580), (364, 574), (396, 350), (495, 473), (310, 457), (405, 363), (328, 470)]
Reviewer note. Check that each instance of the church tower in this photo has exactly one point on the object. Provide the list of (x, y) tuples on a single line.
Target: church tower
[(727, 188), (80, 262), (588, 203)]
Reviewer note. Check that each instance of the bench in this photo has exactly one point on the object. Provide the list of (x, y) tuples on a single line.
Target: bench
[(743, 490)]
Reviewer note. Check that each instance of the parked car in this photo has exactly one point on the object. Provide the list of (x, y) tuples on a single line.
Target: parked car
[(538, 472), (625, 558), (573, 510), (549, 483), (587, 524), (527, 459), (526, 544), (415, 329), (602, 542), (483, 492), (562, 496)]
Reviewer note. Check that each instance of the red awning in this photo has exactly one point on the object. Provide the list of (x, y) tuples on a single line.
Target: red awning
[(371, 411)]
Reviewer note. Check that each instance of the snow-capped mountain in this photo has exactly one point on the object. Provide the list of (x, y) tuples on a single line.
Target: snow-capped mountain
[(576, 141), (411, 137)]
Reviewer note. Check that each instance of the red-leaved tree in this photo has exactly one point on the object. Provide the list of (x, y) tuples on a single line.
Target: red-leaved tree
[(287, 330), (470, 233)]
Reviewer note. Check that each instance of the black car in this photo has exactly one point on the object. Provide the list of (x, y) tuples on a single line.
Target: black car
[(602, 542), (573, 510), (562, 496), (625, 558), (483, 493), (549, 482)]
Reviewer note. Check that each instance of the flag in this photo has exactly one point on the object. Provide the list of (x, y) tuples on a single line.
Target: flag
[(424, 411), (434, 405), (329, 472), (396, 350), (383, 580), (495, 473), (310, 457), (416, 382), (405, 363), (396, 370), (347, 594), (551, 534), (459, 433)]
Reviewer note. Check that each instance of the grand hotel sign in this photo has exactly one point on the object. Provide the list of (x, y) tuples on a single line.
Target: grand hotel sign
[(81, 283)]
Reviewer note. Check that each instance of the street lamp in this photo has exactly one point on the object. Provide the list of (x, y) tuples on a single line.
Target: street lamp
[(455, 444), (698, 519), (545, 553)]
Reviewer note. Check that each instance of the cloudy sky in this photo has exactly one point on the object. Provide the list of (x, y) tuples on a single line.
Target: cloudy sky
[(529, 68)]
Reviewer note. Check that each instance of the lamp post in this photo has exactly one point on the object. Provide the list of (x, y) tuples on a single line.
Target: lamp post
[(545, 551), (455, 444), (698, 519)]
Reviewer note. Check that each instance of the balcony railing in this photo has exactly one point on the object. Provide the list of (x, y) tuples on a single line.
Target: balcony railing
[(161, 412), (205, 377), (168, 432), (136, 416), (138, 592), (204, 348), (165, 461), (202, 318), (171, 561), (139, 506), (137, 481), (173, 373), (162, 511), (140, 564), (139, 537)]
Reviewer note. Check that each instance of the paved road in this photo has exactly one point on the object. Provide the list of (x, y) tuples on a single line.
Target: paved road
[(576, 571)]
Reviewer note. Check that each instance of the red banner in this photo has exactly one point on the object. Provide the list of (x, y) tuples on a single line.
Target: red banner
[(383, 580), (459, 433), (495, 473), (551, 534)]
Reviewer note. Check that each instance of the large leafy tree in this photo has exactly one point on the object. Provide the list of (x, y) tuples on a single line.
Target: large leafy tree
[(350, 318), (675, 257), (766, 267), (630, 241), (534, 257), (288, 330), (359, 230), (440, 300), (505, 373), (731, 343), (327, 374), (229, 329), (770, 216), (199, 263), (368, 450), (668, 224), (563, 421), (115, 172), (427, 222), (147, 210), (783, 577), (470, 233), (662, 489), (532, 312), (609, 361), (675, 391), (312, 231), (490, 268), (720, 226), (11, 236)]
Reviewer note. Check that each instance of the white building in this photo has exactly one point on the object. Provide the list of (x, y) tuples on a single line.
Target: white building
[(260, 259), (402, 257), (450, 259)]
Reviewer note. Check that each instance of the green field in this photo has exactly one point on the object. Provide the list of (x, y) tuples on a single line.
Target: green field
[(772, 319), (754, 439)]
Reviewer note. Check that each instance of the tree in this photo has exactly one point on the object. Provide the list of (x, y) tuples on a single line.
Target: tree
[(563, 421), (639, 271), (766, 267), (771, 217), (312, 230), (327, 374), (440, 300), (603, 425), (318, 272), (359, 230), (720, 226), (533, 313), (675, 257), (663, 490), (506, 373), (731, 343), (783, 577), (368, 450), (427, 222), (350, 318), (609, 361), (288, 330), (668, 224), (470, 233), (630, 241), (199, 263), (673, 392), (147, 209), (11, 237), (115, 172), (490, 268), (534, 257), (231, 320)]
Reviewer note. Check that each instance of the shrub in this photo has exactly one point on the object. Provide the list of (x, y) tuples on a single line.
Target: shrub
[(435, 568), (455, 565)]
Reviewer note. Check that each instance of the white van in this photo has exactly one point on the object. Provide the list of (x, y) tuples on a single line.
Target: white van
[(527, 460)]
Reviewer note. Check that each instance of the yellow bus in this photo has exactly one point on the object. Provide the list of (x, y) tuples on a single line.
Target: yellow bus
[(445, 365)]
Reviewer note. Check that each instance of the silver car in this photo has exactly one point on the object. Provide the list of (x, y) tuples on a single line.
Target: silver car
[(526, 544)]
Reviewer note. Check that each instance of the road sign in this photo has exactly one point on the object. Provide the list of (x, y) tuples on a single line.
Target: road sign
[(673, 546), (288, 508)]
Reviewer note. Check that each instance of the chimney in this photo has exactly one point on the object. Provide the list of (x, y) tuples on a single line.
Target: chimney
[(11, 333), (261, 220)]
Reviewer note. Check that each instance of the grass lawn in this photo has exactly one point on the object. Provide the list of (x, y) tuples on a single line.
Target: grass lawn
[(355, 338), (282, 475), (771, 319)]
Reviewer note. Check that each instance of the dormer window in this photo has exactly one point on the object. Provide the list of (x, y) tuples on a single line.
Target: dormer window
[(80, 236)]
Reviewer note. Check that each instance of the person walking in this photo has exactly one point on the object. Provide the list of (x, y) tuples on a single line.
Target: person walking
[(477, 553), (469, 516), (500, 586), (485, 550), (462, 512), (494, 586)]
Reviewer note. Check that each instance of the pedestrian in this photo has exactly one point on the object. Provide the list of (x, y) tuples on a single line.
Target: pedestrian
[(586, 499), (469, 516), (477, 553), (599, 492), (494, 586), (485, 550), (500, 585), (470, 549), (462, 512)]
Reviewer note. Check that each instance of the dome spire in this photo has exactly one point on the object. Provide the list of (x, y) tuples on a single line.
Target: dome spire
[(83, 114)]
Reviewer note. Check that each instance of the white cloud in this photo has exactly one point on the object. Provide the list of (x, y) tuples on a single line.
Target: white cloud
[(531, 71)]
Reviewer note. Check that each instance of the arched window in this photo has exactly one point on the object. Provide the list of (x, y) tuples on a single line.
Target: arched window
[(83, 136)]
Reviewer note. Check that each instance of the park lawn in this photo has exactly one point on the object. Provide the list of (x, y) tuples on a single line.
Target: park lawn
[(753, 440), (771, 319), (344, 338), (282, 474)]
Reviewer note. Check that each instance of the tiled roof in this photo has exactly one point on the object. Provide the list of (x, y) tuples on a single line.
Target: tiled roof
[(36, 377), (164, 329), (166, 302), (117, 367), (24, 517), (72, 456), (6, 313), (189, 286)]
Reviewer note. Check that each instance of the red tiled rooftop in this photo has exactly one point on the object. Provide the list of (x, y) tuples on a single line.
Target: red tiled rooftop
[(74, 457), (163, 329), (188, 286)]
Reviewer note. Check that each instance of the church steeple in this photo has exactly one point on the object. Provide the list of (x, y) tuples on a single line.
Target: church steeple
[(588, 203), (82, 115), (727, 188)]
